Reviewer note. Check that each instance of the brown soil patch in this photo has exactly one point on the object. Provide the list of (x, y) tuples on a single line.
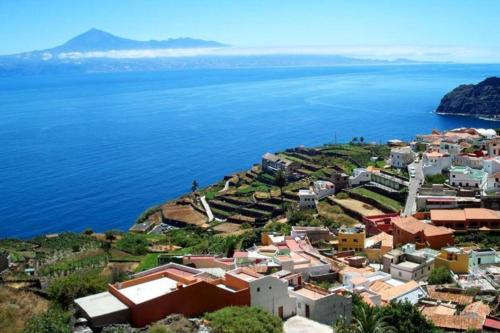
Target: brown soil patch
[(17, 307)]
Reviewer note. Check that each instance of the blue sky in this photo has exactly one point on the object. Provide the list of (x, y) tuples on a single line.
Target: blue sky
[(468, 24)]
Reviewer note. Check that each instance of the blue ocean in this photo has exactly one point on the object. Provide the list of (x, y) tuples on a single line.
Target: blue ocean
[(95, 150)]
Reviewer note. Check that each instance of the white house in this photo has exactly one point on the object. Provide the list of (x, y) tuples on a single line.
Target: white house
[(434, 163), (491, 165), (360, 176), (323, 189), (493, 147), (307, 199), (493, 183), (469, 160), (271, 294), (467, 177), (401, 157), (450, 148), (322, 306)]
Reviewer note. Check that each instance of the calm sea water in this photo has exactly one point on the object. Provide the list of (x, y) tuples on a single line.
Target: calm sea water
[(95, 150)]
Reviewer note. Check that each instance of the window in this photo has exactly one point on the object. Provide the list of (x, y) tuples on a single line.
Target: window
[(355, 240), (258, 289), (270, 287), (399, 274)]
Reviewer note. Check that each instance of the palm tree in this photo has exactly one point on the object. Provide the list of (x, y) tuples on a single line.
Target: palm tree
[(368, 320), (280, 181), (194, 186), (342, 326)]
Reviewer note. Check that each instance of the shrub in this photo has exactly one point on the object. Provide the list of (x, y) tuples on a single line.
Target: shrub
[(65, 289), (160, 328), (342, 195), (133, 243), (52, 321), (88, 231), (440, 275), (244, 320)]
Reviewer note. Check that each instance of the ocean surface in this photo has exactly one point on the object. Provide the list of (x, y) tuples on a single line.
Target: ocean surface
[(95, 150)]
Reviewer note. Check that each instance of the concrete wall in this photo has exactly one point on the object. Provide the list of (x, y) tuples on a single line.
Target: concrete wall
[(325, 310), (271, 293)]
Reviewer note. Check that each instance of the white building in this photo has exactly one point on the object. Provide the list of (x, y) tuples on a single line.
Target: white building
[(401, 157), (409, 264), (323, 189), (469, 160), (271, 294), (321, 306), (307, 199), (450, 148), (359, 176), (467, 177), (493, 147), (483, 257), (491, 165), (434, 163), (493, 183)]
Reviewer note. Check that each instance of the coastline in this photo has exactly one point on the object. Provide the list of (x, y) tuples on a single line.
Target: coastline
[(482, 117)]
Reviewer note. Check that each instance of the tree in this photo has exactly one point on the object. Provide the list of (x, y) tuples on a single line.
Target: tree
[(65, 289), (194, 186), (440, 275), (280, 181), (406, 318), (361, 139), (110, 236), (88, 231), (243, 319), (354, 140), (369, 320), (53, 320)]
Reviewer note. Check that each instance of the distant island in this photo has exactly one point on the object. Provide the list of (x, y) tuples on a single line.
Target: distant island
[(97, 51), (480, 100)]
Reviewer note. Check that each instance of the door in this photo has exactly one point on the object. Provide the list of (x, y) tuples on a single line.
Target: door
[(307, 310), (280, 312)]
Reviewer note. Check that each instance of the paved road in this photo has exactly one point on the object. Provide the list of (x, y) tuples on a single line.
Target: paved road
[(411, 205), (207, 209), (298, 324), (226, 186)]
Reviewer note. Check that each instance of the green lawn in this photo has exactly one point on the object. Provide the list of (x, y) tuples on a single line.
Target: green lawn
[(391, 203), (149, 261)]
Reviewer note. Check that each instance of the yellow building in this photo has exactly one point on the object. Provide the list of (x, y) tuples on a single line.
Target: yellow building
[(351, 239), (455, 259)]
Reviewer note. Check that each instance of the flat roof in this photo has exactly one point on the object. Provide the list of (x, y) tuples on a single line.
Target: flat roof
[(408, 264), (100, 304), (311, 294), (146, 291)]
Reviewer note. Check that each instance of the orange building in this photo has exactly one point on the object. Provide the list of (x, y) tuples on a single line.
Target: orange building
[(159, 292), (466, 219), (411, 230)]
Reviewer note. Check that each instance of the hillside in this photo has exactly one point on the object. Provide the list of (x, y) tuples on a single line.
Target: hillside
[(480, 100)]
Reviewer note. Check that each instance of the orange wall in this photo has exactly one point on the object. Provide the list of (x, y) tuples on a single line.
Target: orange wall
[(193, 300)]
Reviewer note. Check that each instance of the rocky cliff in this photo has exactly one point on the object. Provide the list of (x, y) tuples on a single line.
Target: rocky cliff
[(480, 100)]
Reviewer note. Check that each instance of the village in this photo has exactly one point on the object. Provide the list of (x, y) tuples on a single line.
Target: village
[(304, 235)]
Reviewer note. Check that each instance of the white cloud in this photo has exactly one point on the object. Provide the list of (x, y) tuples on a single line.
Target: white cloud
[(431, 53)]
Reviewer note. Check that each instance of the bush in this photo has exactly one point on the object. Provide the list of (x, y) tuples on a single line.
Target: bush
[(342, 195), (440, 275), (66, 289), (244, 320), (88, 231), (435, 179), (52, 321), (160, 328), (133, 244)]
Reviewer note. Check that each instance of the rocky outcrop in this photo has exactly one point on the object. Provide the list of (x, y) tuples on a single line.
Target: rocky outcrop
[(480, 100)]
